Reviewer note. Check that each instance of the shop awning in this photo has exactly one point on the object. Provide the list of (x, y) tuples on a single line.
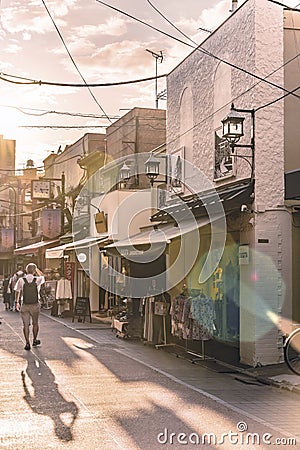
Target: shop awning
[(164, 234), (58, 252), (34, 248), (230, 197)]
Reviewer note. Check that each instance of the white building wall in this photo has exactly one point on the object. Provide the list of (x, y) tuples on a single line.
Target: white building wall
[(252, 39)]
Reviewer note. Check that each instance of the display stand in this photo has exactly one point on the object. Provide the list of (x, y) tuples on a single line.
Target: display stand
[(165, 344), (202, 356), (120, 327), (198, 357), (82, 309)]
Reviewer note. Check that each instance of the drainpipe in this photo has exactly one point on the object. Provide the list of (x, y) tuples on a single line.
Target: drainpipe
[(234, 5)]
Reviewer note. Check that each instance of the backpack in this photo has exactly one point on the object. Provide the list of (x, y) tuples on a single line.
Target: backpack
[(30, 292)]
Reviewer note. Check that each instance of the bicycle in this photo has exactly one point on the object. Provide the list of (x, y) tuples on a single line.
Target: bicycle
[(47, 299), (292, 351)]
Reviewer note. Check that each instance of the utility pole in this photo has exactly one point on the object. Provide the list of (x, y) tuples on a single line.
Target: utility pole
[(158, 58)]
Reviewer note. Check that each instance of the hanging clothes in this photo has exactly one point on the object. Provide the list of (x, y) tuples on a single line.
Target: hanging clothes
[(62, 295), (203, 313), (148, 318), (192, 317), (63, 289), (177, 315)]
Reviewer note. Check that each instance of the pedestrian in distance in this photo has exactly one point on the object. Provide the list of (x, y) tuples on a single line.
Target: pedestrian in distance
[(29, 288), (11, 288), (6, 292)]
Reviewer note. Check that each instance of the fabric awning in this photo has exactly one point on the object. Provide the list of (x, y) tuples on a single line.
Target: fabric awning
[(229, 197), (34, 248), (58, 252), (163, 234)]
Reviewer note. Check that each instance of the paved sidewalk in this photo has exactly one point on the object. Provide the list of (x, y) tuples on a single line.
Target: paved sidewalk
[(244, 395), (278, 375)]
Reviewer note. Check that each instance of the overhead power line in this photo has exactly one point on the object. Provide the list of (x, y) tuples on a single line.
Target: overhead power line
[(63, 126), (199, 48), (42, 167), (249, 89), (42, 112), (284, 6), (171, 23), (73, 61), (80, 85), (287, 62)]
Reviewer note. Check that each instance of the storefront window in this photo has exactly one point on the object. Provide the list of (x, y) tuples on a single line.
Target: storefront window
[(223, 288)]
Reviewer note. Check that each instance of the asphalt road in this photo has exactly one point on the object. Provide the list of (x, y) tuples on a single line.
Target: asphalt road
[(79, 391)]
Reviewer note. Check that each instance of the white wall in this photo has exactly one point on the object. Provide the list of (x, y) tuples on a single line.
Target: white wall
[(252, 38)]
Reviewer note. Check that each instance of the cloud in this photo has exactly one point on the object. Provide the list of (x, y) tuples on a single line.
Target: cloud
[(31, 18), (56, 8), (26, 36), (122, 58), (20, 19), (12, 48), (114, 26), (61, 9), (211, 18), (188, 25)]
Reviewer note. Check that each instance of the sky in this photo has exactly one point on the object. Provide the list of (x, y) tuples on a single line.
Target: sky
[(106, 47)]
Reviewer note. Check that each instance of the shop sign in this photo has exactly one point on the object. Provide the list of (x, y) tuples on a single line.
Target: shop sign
[(100, 222), (244, 255), (7, 236), (69, 272), (132, 252), (51, 223)]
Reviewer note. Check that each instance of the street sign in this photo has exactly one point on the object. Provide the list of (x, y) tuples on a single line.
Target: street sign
[(82, 309)]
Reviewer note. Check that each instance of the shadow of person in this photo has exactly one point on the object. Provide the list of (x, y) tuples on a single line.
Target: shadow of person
[(43, 397)]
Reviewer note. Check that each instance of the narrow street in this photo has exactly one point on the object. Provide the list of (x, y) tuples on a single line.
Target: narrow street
[(83, 388)]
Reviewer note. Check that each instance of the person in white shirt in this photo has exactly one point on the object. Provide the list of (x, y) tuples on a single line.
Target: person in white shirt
[(29, 286)]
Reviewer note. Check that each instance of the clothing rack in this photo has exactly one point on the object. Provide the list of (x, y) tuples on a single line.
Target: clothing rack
[(198, 356), (165, 344), (201, 357)]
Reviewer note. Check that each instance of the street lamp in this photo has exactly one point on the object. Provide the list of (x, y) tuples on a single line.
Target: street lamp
[(124, 173), (233, 130), (152, 168)]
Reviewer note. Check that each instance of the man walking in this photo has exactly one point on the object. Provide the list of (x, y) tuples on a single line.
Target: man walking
[(11, 286), (29, 286)]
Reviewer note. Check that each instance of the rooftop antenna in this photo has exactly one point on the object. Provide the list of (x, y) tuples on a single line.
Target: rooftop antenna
[(206, 30), (158, 58)]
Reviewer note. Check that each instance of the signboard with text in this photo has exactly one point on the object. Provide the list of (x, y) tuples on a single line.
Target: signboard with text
[(51, 223), (82, 309), (7, 239)]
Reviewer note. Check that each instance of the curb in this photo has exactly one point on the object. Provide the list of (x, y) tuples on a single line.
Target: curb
[(281, 385)]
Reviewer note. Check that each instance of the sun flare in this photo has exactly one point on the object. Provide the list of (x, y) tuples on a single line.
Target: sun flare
[(9, 123)]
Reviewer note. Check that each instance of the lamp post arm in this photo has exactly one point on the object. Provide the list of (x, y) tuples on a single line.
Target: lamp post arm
[(252, 145)]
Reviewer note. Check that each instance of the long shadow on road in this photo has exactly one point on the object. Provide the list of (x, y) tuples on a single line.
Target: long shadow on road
[(46, 399)]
